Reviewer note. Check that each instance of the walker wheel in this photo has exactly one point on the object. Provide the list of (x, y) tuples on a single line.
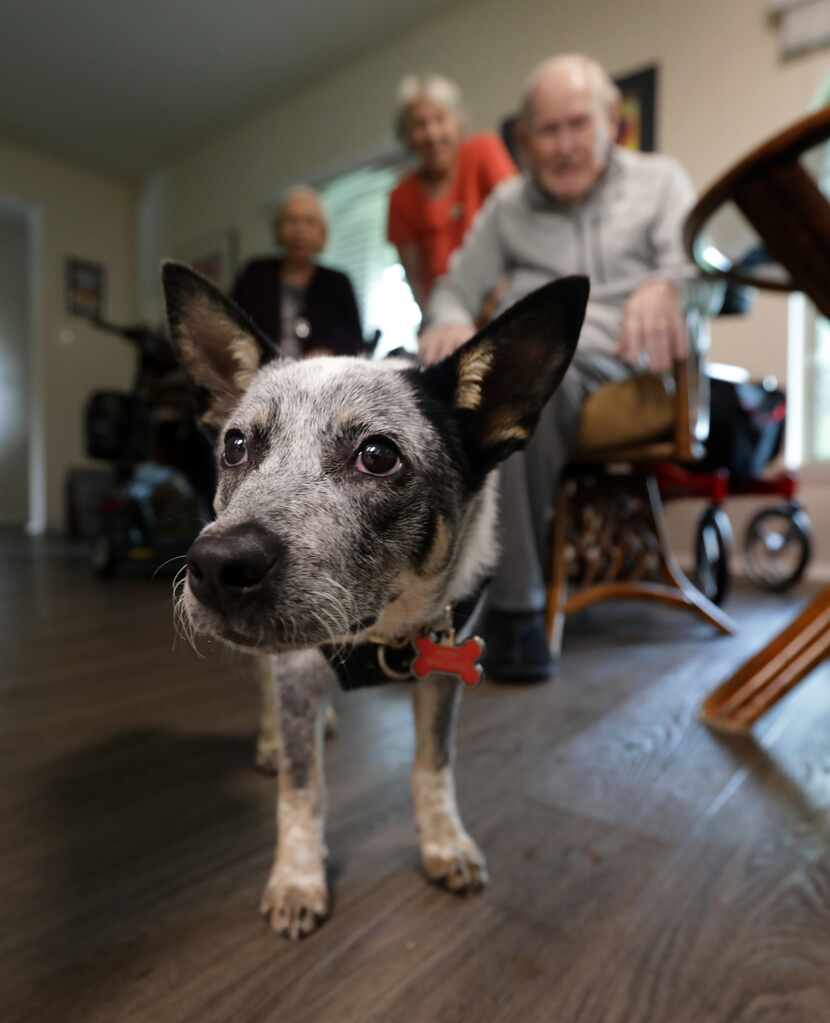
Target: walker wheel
[(713, 547), (778, 546)]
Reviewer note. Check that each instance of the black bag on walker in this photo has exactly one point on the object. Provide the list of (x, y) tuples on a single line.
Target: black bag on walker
[(746, 427)]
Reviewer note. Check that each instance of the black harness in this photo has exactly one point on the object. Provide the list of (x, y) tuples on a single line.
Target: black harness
[(376, 664)]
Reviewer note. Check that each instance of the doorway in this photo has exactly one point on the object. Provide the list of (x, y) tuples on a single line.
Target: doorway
[(22, 453)]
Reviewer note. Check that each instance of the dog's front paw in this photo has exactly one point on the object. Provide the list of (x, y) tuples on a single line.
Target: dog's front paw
[(295, 903), (458, 865)]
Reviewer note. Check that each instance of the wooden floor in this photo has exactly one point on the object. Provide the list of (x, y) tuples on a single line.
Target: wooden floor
[(644, 871)]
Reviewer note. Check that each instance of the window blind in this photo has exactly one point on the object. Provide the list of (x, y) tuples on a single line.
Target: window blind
[(356, 204)]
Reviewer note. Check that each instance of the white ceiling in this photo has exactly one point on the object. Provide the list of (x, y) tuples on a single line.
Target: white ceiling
[(125, 86)]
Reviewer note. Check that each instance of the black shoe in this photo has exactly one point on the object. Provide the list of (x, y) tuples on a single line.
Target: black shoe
[(517, 647)]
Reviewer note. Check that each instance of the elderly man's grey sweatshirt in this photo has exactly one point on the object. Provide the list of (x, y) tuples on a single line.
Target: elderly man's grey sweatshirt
[(627, 230)]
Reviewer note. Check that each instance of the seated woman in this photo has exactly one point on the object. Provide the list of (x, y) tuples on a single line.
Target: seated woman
[(309, 309), (431, 208)]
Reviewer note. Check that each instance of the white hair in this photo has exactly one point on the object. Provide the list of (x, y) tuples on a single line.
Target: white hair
[(605, 92), (436, 88), (304, 191)]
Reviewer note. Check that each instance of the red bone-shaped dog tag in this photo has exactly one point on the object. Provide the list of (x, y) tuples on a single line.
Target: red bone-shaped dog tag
[(449, 660)]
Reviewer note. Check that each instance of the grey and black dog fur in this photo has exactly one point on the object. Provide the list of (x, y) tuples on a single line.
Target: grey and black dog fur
[(355, 499)]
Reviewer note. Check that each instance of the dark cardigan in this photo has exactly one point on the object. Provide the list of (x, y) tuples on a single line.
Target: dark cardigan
[(329, 306)]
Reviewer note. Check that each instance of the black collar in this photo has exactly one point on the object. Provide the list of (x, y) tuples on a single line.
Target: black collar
[(376, 664)]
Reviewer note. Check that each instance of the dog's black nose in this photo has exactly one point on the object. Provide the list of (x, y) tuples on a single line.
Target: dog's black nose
[(222, 568)]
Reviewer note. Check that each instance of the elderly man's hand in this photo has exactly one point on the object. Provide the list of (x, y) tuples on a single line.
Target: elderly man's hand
[(436, 343), (653, 327)]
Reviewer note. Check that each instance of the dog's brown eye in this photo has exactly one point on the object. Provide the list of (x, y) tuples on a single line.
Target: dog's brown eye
[(378, 457), (236, 450)]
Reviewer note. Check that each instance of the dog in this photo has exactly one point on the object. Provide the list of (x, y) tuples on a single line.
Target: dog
[(356, 503)]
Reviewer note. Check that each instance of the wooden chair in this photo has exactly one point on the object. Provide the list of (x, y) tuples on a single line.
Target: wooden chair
[(609, 539), (781, 201)]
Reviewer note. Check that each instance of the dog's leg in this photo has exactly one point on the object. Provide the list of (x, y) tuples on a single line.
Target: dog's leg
[(267, 744), (448, 853), (296, 896)]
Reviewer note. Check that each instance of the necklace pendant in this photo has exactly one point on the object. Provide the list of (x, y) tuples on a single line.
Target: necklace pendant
[(445, 657)]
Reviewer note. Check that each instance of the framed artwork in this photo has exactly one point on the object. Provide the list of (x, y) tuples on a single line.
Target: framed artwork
[(85, 284), (638, 120), (638, 114), (213, 255)]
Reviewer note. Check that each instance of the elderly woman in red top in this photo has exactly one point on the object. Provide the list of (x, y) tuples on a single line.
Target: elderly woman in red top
[(431, 208)]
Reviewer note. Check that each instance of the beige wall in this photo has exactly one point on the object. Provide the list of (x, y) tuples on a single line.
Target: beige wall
[(722, 90), (80, 214)]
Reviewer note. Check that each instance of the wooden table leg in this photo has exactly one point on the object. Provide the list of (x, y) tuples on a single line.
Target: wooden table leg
[(776, 669)]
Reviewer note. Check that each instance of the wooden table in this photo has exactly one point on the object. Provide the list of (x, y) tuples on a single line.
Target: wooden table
[(766, 223)]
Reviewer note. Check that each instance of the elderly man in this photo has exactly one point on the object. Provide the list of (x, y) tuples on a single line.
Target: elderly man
[(583, 205)]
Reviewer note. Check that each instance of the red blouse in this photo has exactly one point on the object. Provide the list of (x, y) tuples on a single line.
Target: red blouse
[(438, 225)]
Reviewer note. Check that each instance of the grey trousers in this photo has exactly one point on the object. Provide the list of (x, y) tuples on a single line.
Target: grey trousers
[(529, 481)]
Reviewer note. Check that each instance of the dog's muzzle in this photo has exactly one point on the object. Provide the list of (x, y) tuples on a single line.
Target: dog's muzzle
[(226, 570)]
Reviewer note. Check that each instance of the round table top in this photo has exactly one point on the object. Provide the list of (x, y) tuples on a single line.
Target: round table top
[(720, 236)]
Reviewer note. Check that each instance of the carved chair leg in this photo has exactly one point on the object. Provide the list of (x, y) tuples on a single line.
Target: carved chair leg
[(617, 561), (672, 572), (558, 574)]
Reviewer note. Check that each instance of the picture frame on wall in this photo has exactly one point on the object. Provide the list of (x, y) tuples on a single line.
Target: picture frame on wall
[(638, 114), (214, 255), (85, 287)]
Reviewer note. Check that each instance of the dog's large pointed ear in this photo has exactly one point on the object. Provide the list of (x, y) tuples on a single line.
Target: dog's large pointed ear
[(499, 381), (216, 343)]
